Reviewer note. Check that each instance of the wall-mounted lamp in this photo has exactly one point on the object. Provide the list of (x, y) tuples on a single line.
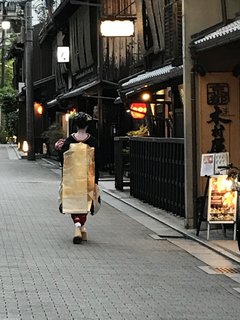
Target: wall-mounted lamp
[(117, 28), (145, 96), (63, 55), (38, 108)]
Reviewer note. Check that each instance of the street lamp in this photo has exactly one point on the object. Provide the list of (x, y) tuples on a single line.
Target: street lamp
[(5, 26)]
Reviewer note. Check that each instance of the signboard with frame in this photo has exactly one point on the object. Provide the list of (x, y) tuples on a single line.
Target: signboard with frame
[(222, 200), (207, 164), (221, 159), (211, 161)]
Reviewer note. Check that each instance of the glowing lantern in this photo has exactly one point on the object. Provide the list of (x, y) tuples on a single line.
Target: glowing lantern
[(117, 28), (25, 146), (38, 108), (146, 96), (138, 110)]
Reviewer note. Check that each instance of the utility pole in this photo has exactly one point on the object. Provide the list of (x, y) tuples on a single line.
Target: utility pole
[(3, 59), (100, 76), (3, 49), (29, 79)]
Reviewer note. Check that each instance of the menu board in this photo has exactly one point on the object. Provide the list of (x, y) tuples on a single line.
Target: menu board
[(221, 159), (222, 200), (207, 164), (211, 161)]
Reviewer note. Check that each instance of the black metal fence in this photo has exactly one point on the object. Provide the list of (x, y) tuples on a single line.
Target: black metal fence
[(121, 162), (157, 172)]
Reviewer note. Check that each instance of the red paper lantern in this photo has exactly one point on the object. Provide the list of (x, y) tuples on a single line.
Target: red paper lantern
[(138, 110)]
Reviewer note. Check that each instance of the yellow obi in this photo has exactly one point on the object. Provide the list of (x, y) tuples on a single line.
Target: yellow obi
[(78, 179)]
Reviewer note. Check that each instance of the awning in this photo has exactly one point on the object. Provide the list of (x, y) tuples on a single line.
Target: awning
[(88, 88), (152, 77), (79, 91), (221, 36), (43, 81), (52, 103)]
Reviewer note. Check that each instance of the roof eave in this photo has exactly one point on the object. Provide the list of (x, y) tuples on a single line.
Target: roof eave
[(177, 74), (216, 42)]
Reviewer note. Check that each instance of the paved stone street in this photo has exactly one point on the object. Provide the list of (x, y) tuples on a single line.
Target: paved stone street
[(120, 273)]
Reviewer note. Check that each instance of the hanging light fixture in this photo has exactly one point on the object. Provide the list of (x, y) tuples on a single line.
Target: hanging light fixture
[(145, 96), (138, 110)]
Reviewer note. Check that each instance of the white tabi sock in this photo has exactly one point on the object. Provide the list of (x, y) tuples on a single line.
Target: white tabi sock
[(77, 224)]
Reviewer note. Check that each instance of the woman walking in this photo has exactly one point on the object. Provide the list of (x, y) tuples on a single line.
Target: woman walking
[(79, 158)]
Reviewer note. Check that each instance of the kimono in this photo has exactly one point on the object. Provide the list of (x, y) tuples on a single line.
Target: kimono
[(79, 193)]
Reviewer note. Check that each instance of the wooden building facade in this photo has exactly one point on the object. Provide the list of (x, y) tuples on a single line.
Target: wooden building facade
[(89, 82), (106, 74), (171, 57)]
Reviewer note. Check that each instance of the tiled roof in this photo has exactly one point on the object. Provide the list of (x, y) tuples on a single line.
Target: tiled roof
[(221, 35), (161, 74)]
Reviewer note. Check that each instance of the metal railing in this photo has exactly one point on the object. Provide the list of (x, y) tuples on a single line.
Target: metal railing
[(121, 162), (157, 172)]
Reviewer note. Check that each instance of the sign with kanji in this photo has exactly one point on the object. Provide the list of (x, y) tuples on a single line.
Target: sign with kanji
[(217, 93)]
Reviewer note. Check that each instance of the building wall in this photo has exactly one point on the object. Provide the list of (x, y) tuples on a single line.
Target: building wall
[(233, 8), (121, 53), (198, 16), (231, 132), (193, 22)]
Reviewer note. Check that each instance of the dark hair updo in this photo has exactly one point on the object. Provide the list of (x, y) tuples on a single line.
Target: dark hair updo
[(81, 120)]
